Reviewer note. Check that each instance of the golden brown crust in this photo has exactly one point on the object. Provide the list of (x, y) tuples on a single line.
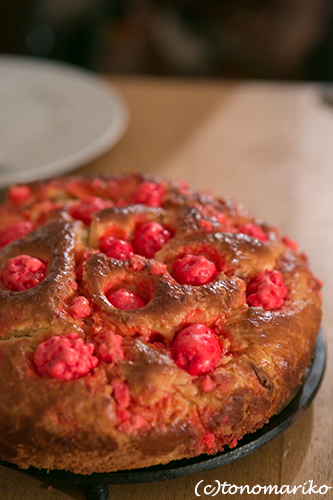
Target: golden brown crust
[(30, 310), (83, 425)]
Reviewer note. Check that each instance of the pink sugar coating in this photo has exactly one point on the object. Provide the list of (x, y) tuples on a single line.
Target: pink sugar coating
[(14, 232), (233, 443), (138, 421), (267, 290), (289, 242), (125, 300), (80, 307), (123, 414), (157, 268), (183, 186), (111, 350), (121, 393), (149, 238), (209, 439), (253, 230), (117, 248), (136, 263), (22, 273), (194, 270), (85, 209), (131, 423), (149, 193), (196, 349), (207, 384), (64, 357), (226, 224), (19, 194), (206, 225)]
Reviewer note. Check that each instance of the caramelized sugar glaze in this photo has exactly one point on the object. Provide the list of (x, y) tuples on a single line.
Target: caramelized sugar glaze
[(142, 322)]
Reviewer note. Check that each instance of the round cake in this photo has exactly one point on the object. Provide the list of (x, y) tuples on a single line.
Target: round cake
[(141, 322)]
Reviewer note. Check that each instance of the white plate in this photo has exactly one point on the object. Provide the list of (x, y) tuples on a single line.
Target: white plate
[(53, 117)]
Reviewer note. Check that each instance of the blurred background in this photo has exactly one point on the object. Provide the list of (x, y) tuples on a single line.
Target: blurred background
[(268, 39)]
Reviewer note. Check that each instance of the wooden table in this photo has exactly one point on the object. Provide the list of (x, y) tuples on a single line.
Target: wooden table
[(270, 146)]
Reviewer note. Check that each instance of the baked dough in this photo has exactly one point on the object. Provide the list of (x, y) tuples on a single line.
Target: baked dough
[(141, 322)]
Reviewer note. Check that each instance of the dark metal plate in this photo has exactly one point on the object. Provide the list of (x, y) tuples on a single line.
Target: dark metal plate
[(251, 442)]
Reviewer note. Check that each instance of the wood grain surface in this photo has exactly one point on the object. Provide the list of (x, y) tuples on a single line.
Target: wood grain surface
[(271, 147)]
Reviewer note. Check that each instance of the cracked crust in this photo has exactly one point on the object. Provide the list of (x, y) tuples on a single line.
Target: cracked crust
[(140, 408)]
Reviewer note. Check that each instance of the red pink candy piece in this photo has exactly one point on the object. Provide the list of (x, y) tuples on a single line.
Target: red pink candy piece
[(64, 357), (208, 440), (116, 248), (23, 272), (125, 300), (85, 209), (253, 230), (196, 349), (289, 242), (149, 193), (194, 270), (207, 384), (267, 290), (80, 307), (121, 393), (14, 232), (111, 350), (149, 238), (18, 195)]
